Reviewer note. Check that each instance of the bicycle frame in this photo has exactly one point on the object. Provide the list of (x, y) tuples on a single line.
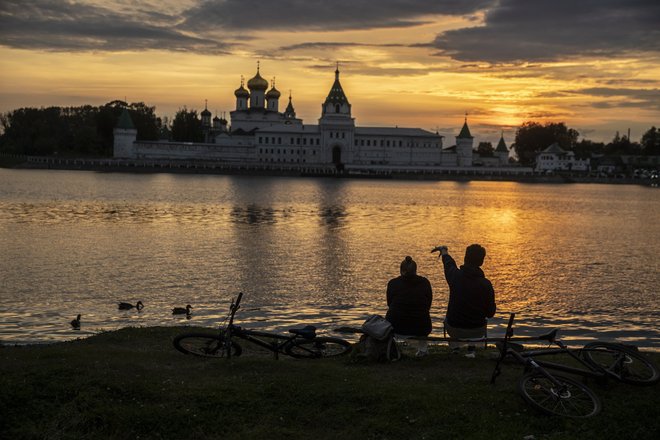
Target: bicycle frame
[(529, 358), (532, 355), (253, 336)]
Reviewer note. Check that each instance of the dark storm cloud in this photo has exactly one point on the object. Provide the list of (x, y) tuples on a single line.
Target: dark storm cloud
[(623, 97), (69, 26), (292, 15), (610, 97), (539, 30), (333, 45), (631, 93)]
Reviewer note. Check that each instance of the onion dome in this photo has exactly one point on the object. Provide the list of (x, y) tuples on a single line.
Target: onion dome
[(241, 92), (216, 119), (273, 93), (257, 82), (206, 111)]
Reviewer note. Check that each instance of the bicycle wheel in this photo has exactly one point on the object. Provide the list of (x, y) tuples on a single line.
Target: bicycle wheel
[(569, 399), (622, 363), (205, 345), (317, 348)]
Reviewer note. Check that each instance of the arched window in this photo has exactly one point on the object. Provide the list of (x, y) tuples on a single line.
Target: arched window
[(337, 108)]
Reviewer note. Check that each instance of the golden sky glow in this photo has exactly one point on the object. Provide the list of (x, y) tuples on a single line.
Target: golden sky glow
[(420, 69)]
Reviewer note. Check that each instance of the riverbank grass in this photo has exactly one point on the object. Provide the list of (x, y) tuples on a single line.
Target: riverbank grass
[(133, 384)]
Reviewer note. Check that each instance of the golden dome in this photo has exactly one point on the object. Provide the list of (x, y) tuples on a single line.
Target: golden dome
[(257, 83)]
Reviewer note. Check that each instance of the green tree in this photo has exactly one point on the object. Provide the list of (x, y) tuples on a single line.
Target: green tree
[(34, 131), (86, 130), (145, 120), (586, 148), (651, 142), (187, 127), (532, 138), (165, 129), (622, 145), (485, 149)]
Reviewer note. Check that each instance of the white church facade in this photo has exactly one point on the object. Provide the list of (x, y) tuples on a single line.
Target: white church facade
[(259, 134)]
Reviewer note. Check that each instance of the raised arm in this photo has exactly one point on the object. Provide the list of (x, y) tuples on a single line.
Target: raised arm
[(451, 271)]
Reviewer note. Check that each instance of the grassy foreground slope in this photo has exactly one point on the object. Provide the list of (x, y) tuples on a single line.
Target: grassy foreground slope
[(133, 384)]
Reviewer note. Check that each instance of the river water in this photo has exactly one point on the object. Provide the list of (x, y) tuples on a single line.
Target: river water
[(317, 251)]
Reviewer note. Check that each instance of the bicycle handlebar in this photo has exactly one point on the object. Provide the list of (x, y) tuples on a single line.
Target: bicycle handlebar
[(509, 327)]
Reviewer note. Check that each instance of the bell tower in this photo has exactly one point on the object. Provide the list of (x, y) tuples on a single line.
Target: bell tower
[(337, 126), (464, 143)]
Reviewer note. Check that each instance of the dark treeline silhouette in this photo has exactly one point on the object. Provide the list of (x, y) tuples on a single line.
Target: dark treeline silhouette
[(187, 127), (84, 130), (485, 149), (533, 137)]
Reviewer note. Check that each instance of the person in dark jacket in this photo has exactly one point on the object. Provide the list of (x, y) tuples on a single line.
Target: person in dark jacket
[(471, 296), (409, 304)]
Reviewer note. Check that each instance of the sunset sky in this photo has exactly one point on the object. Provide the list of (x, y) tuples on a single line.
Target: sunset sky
[(593, 64)]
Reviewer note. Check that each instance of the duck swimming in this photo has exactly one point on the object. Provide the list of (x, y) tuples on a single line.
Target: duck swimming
[(181, 310), (75, 323), (129, 306)]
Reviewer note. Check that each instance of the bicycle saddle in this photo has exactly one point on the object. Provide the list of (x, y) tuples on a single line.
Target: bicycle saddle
[(550, 337), (307, 332)]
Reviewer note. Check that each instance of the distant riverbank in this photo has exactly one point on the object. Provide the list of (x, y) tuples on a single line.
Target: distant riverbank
[(512, 174)]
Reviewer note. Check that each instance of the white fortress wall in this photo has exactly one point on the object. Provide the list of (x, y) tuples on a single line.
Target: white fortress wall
[(194, 151)]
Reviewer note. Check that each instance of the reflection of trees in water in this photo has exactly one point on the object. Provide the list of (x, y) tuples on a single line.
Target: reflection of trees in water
[(253, 215), (333, 216)]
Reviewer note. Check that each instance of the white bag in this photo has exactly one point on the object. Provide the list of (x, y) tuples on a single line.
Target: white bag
[(377, 327)]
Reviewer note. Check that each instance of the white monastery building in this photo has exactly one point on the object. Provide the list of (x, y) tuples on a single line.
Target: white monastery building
[(261, 134), (555, 158)]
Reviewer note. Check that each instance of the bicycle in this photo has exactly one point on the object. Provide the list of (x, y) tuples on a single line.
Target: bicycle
[(559, 395), (302, 343)]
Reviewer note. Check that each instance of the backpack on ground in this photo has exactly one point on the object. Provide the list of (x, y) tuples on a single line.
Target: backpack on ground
[(377, 343)]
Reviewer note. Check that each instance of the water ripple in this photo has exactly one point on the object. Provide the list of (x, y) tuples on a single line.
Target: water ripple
[(582, 258)]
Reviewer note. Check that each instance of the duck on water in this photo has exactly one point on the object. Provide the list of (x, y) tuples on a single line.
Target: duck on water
[(128, 306), (75, 323), (181, 310)]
